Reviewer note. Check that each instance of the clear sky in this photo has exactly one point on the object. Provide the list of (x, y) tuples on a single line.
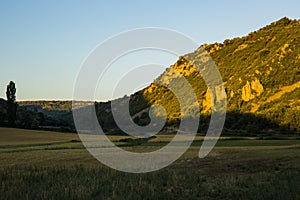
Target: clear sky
[(43, 43)]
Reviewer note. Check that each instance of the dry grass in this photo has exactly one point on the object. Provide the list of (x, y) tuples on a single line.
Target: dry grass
[(10, 136), (42, 148), (47, 165)]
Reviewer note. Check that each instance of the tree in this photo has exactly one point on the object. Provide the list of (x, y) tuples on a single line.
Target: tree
[(11, 103)]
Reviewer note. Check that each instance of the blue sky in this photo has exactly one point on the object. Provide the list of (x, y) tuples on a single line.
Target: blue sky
[(43, 43)]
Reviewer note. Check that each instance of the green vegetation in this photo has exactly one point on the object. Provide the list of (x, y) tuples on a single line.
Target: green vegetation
[(102, 183), (33, 117), (11, 104), (50, 165), (3, 109), (49, 105), (261, 76), (258, 158), (284, 111)]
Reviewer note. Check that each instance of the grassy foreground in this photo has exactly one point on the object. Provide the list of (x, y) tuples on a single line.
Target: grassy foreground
[(47, 165)]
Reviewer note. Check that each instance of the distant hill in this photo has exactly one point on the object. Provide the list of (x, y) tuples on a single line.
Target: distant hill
[(40, 115), (54, 109), (51, 108), (261, 74), (48, 105)]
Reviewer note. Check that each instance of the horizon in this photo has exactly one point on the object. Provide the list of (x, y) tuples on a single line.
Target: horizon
[(43, 42)]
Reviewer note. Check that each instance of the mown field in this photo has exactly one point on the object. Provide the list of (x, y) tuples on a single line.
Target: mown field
[(49, 165)]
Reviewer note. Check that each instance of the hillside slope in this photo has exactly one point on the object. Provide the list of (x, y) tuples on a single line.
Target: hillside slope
[(261, 75)]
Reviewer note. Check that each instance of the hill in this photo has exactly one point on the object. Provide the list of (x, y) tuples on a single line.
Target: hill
[(261, 74), (49, 108), (40, 115)]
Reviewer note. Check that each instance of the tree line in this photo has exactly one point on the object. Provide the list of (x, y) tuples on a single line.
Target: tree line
[(17, 116)]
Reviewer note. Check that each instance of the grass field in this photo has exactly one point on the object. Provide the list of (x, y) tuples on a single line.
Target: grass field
[(49, 165)]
